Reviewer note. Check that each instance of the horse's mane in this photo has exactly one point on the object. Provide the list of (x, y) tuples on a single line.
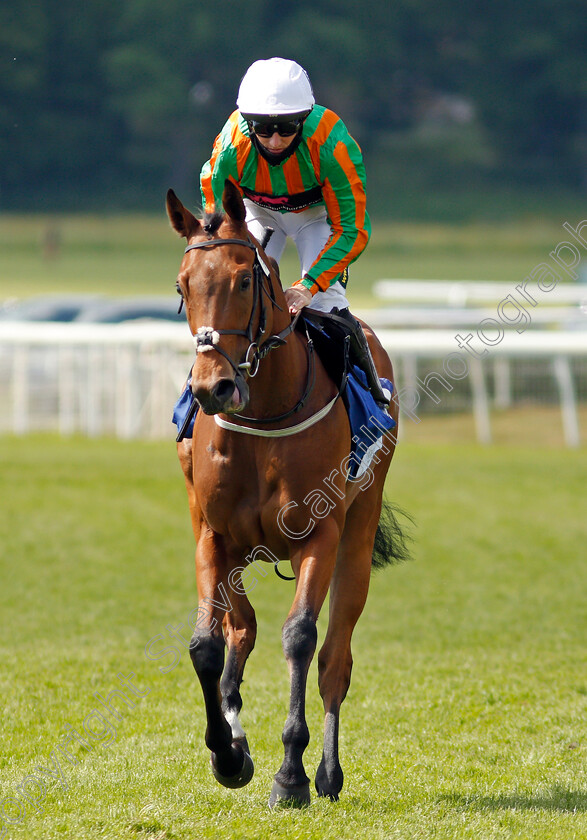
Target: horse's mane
[(212, 221)]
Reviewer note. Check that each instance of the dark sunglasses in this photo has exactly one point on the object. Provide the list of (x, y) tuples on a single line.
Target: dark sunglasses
[(268, 129)]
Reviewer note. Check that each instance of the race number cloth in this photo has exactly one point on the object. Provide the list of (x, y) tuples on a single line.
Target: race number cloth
[(182, 406), (369, 422)]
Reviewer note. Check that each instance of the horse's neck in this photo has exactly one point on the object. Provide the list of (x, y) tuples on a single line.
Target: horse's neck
[(283, 372), (281, 379)]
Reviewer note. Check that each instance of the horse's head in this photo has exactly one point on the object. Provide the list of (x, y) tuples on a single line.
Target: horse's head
[(223, 288)]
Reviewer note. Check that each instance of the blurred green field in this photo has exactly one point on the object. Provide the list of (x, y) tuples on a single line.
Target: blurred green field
[(467, 713), (531, 424), (128, 255)]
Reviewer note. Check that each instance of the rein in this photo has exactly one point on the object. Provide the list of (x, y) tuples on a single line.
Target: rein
[(208, 338)]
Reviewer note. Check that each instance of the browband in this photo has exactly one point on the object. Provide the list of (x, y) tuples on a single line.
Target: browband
[(212, 242)]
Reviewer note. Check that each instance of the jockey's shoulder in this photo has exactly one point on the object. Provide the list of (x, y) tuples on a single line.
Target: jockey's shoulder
[(324, 127)]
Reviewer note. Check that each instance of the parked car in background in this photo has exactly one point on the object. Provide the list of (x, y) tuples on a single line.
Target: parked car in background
[(94, 309)]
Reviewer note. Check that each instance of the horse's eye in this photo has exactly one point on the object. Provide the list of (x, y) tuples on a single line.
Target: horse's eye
[(245, 283)]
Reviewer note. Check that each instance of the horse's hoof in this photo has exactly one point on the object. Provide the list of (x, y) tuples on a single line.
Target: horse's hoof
[(244, 743), (329, 785), (331, 795), (240, 779), (289, 797)]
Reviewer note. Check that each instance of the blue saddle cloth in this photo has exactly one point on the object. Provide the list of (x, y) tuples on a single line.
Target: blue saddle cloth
[(368, 421), (182, 406)]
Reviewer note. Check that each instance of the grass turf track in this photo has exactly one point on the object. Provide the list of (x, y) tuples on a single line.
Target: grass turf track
[(467, 712)]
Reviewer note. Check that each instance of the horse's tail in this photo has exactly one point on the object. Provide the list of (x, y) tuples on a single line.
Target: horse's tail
[(391, 540)]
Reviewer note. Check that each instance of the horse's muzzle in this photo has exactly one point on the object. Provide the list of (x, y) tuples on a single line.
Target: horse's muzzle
[(226, 396)]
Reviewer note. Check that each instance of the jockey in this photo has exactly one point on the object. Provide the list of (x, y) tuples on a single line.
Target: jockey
[(301, 174)]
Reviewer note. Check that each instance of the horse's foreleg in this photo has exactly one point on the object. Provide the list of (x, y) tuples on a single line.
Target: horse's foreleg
[(231, 765), (348, 593), (240, 630), (313, 572)]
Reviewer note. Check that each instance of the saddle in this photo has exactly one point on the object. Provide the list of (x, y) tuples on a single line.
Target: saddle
[(331, 335)]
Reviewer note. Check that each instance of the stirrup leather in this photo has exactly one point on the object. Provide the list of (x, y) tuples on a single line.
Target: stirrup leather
[(361, 354)]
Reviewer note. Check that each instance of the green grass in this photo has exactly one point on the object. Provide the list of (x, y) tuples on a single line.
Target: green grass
[(467, 712), (128, 255), (534, 424)]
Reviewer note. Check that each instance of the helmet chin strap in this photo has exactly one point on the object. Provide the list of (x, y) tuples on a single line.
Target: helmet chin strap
[(276, 159)]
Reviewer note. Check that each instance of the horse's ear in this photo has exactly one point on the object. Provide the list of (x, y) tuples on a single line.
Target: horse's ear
[(232, 201), (184, 222)]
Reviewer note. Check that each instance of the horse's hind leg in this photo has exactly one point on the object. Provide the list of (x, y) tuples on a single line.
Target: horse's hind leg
[(348, 592), (240, 630)]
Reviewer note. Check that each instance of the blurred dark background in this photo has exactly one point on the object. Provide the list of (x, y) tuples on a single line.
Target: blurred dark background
[(462, 111)]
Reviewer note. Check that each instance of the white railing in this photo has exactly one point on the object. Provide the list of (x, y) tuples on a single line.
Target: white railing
[(539, 318), (467, 292), (400, 315), (123, 379), (93, 379), (450, 361), (466, 303)]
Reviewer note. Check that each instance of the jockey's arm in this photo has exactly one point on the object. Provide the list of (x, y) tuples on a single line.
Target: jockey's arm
[(343, 190)]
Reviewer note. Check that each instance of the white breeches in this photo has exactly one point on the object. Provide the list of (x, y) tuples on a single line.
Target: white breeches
[(309, 230)]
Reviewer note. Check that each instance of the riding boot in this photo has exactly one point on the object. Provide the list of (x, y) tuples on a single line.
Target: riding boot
[(361, 355)]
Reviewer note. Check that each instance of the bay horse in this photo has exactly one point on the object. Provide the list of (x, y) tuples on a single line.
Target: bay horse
[(247, 479)]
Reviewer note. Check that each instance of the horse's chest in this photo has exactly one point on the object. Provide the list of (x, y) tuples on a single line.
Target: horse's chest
[(233, 490), (264, 494)]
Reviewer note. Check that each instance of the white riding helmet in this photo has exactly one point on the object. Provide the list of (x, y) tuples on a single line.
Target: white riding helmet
[(275, 87)]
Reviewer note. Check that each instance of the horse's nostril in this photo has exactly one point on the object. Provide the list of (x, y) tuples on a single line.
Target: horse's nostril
[(216, 397), (223, 390)]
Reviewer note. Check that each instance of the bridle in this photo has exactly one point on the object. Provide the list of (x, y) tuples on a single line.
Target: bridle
[(208, 338)]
